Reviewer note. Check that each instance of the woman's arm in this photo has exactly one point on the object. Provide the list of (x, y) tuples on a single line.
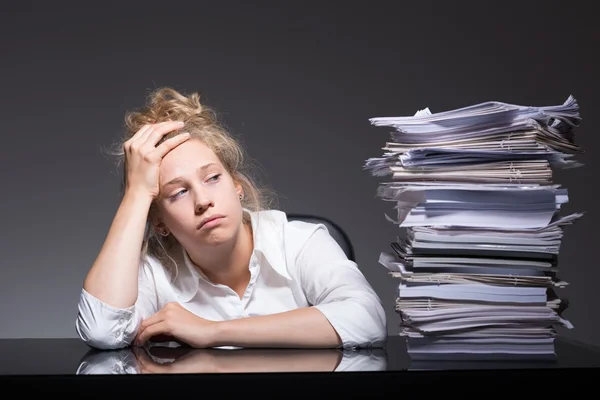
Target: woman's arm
[(113, 278), (346, 310), (118, 292), (336, 287), (103, 326), (301, 328), (110, 304)]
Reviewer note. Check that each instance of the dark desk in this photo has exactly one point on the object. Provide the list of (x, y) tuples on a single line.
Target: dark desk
[(68, 365)]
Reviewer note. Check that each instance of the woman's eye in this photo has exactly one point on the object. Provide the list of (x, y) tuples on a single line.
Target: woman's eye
[(214, 178), (178, 193)]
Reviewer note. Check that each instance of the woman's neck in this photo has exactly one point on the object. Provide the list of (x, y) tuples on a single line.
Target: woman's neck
[(228, 265)]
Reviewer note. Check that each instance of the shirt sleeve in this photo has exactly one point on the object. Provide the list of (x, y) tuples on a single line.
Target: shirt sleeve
[(103, 326), (333, 284)]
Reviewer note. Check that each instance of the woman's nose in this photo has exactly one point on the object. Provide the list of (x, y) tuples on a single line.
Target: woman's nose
[(202, 203)]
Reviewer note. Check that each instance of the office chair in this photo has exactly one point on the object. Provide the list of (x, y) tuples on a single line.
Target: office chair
[(336, 231)]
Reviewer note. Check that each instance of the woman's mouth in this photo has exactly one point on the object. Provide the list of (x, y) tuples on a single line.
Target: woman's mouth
[(211, 222)]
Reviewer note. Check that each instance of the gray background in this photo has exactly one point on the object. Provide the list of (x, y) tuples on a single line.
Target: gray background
[(297, 81)]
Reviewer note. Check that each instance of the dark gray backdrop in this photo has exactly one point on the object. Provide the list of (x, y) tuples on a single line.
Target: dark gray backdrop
[(297, 81)]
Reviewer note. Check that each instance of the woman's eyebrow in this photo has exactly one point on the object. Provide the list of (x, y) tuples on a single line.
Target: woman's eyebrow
[(180, 179)]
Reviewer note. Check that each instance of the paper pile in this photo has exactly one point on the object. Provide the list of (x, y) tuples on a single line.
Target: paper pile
[(475, 198)]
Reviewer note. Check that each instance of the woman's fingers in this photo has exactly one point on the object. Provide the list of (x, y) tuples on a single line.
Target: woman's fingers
[(170, 144), (137, 135), (160, 129), (142, 137), (144, 157), (152, 138)]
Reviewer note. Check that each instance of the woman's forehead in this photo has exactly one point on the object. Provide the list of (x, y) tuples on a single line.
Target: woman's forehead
[(188, 159), (190, 154)]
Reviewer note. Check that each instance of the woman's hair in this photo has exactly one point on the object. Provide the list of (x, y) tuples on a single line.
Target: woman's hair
[(201, 122)]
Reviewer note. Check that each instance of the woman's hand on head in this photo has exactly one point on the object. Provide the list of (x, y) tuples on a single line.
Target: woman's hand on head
[(173, 320), (143, 156)]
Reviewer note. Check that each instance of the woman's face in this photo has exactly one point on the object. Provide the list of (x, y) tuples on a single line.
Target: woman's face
[(195, 188)]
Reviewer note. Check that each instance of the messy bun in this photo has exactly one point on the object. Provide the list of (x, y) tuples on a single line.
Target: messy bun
[(167, 104)]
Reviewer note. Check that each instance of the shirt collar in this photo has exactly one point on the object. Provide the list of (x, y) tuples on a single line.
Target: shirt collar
[(267, 232)]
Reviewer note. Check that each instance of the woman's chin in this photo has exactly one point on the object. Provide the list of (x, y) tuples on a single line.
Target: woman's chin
[(215, 237)]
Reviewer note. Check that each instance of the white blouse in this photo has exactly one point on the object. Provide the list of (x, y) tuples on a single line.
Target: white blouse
[(294, 264)]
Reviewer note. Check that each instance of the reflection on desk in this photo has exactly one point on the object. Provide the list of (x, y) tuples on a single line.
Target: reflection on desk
[(52, 357), (43, 366), (175, 359)]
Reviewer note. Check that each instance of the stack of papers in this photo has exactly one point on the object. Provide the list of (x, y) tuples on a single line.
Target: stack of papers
[(473, 192)]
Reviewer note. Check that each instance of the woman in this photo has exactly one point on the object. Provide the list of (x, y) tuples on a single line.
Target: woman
[(217, 267)]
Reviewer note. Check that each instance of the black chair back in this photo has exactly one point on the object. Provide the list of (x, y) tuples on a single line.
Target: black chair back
[(336, 231)]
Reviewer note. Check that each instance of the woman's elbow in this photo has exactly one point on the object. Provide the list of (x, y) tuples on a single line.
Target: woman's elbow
[(99, 335), (359, 322), (104, 327), (378, 322), (371, 321)]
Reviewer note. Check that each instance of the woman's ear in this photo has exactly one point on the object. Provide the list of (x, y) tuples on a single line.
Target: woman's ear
[(161, 229), (239, 190), (158, 226)]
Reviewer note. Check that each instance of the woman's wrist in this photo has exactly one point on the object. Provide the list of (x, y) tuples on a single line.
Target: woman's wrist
[(138, 197), (219, 334)]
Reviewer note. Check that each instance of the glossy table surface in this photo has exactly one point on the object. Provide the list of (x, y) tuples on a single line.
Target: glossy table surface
[(69, 365)]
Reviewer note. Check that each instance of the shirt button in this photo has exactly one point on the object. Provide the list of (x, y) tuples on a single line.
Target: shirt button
[(121, 321)]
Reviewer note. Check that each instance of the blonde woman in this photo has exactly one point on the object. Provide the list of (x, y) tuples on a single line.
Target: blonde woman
[(195, 255)]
